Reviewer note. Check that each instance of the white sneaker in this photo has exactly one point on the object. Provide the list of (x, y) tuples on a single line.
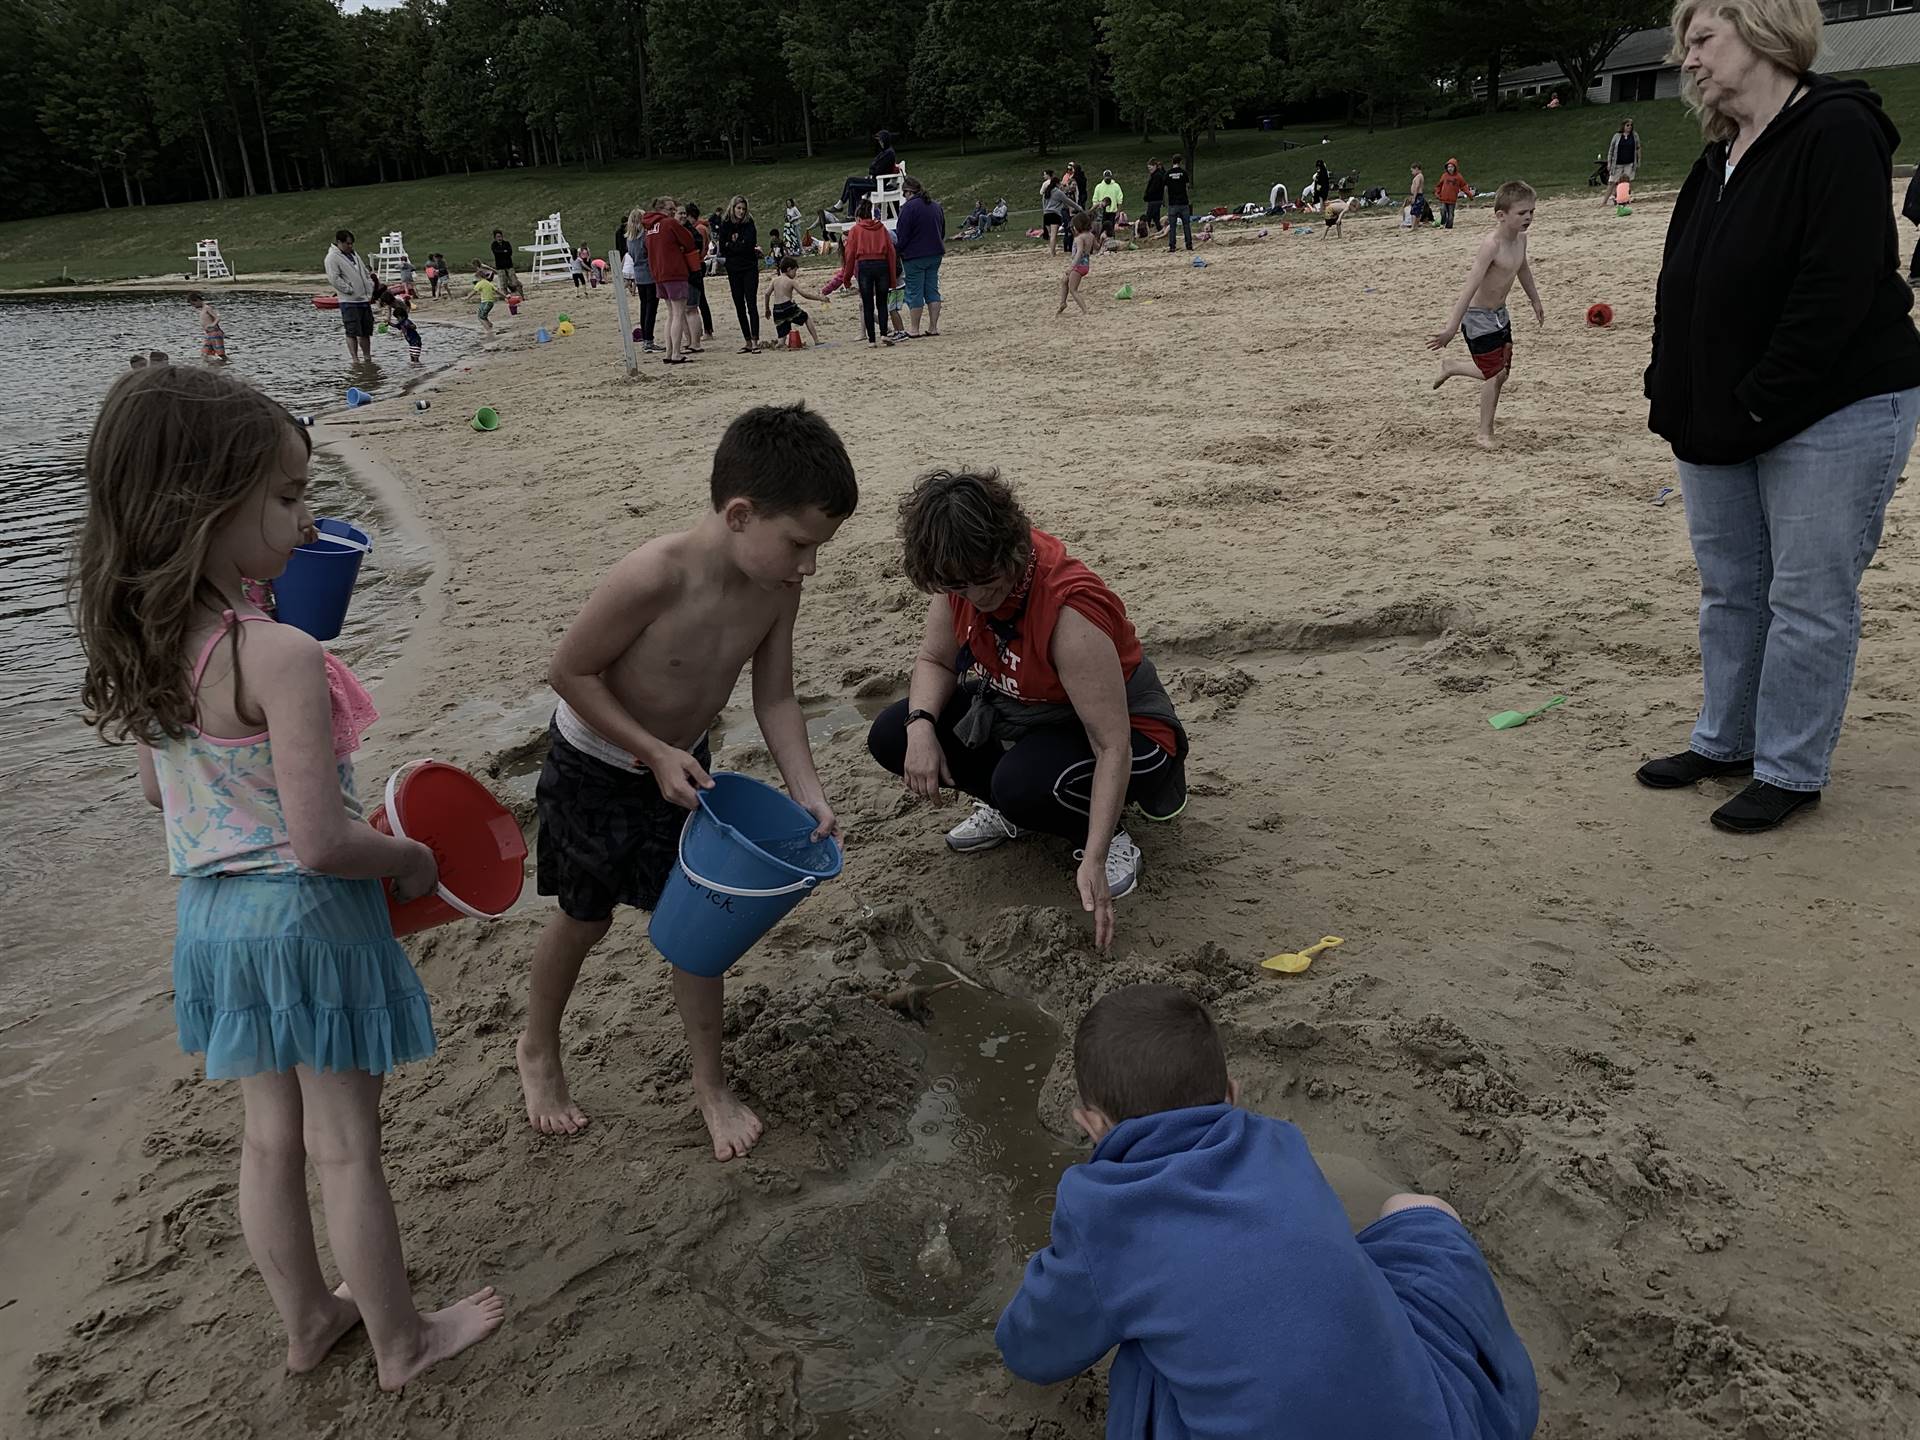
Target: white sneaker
[(1123, 865), (982, 830)]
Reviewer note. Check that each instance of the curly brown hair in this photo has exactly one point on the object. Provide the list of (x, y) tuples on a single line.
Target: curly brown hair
[(174, 452), (961, 528)]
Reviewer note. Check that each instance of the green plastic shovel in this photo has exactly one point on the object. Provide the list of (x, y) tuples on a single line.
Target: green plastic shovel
[(1507, 719)]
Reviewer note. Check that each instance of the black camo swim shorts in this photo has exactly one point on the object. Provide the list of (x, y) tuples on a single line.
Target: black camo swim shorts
[(607, 836)]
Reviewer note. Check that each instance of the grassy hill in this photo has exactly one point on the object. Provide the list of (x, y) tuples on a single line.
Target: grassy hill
[(1553, 150)]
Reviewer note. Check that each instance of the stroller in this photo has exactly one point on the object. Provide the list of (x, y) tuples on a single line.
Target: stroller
[(1599, 177)]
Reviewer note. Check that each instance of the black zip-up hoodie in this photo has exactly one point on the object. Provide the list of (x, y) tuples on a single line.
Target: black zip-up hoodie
[(737, 240), (1780, 298)]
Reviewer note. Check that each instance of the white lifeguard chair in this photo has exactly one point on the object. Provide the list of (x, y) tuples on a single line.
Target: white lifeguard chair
[(887, 196), (388, 259), (549, 249), (208, 264)]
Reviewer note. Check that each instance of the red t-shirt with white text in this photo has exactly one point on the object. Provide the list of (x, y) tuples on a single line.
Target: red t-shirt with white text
[(1020, 664)]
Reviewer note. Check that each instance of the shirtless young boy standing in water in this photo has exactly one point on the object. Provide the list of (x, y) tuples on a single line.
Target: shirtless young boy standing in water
[(1480, 314), (641, 674)]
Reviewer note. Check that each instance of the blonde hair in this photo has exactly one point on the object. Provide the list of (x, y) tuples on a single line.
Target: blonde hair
[(173, 454), (1786, 32), (1514, 192), (739, 201), (636, 222)]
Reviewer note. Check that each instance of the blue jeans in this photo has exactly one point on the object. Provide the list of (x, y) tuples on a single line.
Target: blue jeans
[(1781, 541), (923, 281), (1179, 217)]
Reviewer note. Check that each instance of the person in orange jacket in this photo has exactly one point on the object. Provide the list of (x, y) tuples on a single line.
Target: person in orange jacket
[(1448, 190), (672, 255), (869, 257)]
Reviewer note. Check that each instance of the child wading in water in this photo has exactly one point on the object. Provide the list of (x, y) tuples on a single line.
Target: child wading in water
[(1480, 314), (402, 319), (782, 309), (285, 970), (213, 340), (1079, 262), (641, 674)]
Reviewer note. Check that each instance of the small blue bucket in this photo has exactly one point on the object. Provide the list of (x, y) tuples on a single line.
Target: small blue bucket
[(313, 591), (746, 859), (356, 397)]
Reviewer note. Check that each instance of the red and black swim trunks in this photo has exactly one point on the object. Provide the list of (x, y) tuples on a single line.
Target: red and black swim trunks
[(1489, 337)]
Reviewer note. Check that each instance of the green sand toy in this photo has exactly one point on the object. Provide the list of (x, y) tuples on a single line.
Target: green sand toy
[(1507, 719)]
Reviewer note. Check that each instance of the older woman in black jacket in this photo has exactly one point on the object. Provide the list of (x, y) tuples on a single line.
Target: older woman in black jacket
[(1786, 377)]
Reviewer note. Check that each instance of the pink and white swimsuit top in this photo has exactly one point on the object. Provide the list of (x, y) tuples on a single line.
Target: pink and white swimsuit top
[(221, 802)]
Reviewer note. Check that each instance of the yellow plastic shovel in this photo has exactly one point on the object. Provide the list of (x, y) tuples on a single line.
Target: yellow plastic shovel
[(1295, 961)]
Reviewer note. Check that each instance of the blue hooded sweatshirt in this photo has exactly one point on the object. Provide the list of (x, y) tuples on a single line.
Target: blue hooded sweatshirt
[(1206, 1245)]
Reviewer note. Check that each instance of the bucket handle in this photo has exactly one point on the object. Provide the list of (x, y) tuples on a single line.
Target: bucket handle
[(805, 882), (393, 819), (347, 542)]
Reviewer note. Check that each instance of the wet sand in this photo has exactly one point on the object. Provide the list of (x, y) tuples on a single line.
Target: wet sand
[(1665, 1074)]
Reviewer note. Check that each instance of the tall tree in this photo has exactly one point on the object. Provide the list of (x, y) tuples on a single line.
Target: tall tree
[(848, 56), (1579, 38), (1186, 67)]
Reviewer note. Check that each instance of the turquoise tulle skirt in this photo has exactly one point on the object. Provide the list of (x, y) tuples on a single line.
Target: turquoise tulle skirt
[(273, 971)]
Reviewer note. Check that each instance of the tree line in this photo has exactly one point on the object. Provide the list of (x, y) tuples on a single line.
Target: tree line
[(116, 103)]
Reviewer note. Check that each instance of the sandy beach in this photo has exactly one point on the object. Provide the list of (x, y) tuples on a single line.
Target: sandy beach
[(1666, 1075)]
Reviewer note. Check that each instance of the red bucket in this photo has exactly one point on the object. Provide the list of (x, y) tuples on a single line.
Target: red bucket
[(476, 841)]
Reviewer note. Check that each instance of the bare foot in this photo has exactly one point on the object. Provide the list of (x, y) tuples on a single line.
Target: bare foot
[(1485, 442), (733, 1126), (1444, 376), (328, 1327), (444, 1334), (550, 1109)]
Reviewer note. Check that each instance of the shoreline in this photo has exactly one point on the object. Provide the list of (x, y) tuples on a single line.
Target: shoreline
[(1606, 1038)]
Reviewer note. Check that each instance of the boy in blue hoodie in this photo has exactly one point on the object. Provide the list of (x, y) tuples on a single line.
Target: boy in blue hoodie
[(1202, 1240)]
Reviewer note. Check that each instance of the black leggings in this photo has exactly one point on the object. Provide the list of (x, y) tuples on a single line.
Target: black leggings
[(697, 295), (1045, 780), (649, 310), (873, 297), (579, 279), (857, 188), (745, 285)]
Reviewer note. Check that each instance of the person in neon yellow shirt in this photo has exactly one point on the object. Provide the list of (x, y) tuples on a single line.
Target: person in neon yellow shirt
[(486, 292), (1106, 199)]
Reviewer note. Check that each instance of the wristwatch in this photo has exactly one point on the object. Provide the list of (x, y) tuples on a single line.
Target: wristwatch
[(926, 715)]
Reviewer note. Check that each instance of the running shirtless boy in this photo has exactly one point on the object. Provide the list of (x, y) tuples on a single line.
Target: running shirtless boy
[(1480, 314), (641, 674)]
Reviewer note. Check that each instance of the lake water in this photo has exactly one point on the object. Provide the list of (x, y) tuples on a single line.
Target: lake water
[(61, 356), (83, 966)]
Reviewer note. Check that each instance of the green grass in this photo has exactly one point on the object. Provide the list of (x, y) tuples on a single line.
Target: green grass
[(1553, 150)]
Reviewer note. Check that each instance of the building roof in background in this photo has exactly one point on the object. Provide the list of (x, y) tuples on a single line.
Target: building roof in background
[(1878, 43)]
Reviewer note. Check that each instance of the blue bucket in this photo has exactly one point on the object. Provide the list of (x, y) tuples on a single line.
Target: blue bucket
[(313, 591), (746, 859), (356, 397)]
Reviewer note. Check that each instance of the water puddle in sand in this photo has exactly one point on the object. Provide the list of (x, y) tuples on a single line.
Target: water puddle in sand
[(887, 1280), (827, 717)]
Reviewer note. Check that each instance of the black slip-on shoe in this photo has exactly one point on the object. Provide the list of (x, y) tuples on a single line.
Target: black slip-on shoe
[(1761, 807), (1675, 772)]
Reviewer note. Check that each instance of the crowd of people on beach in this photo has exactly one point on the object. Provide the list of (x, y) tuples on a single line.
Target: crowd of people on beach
[(1784, 373)]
